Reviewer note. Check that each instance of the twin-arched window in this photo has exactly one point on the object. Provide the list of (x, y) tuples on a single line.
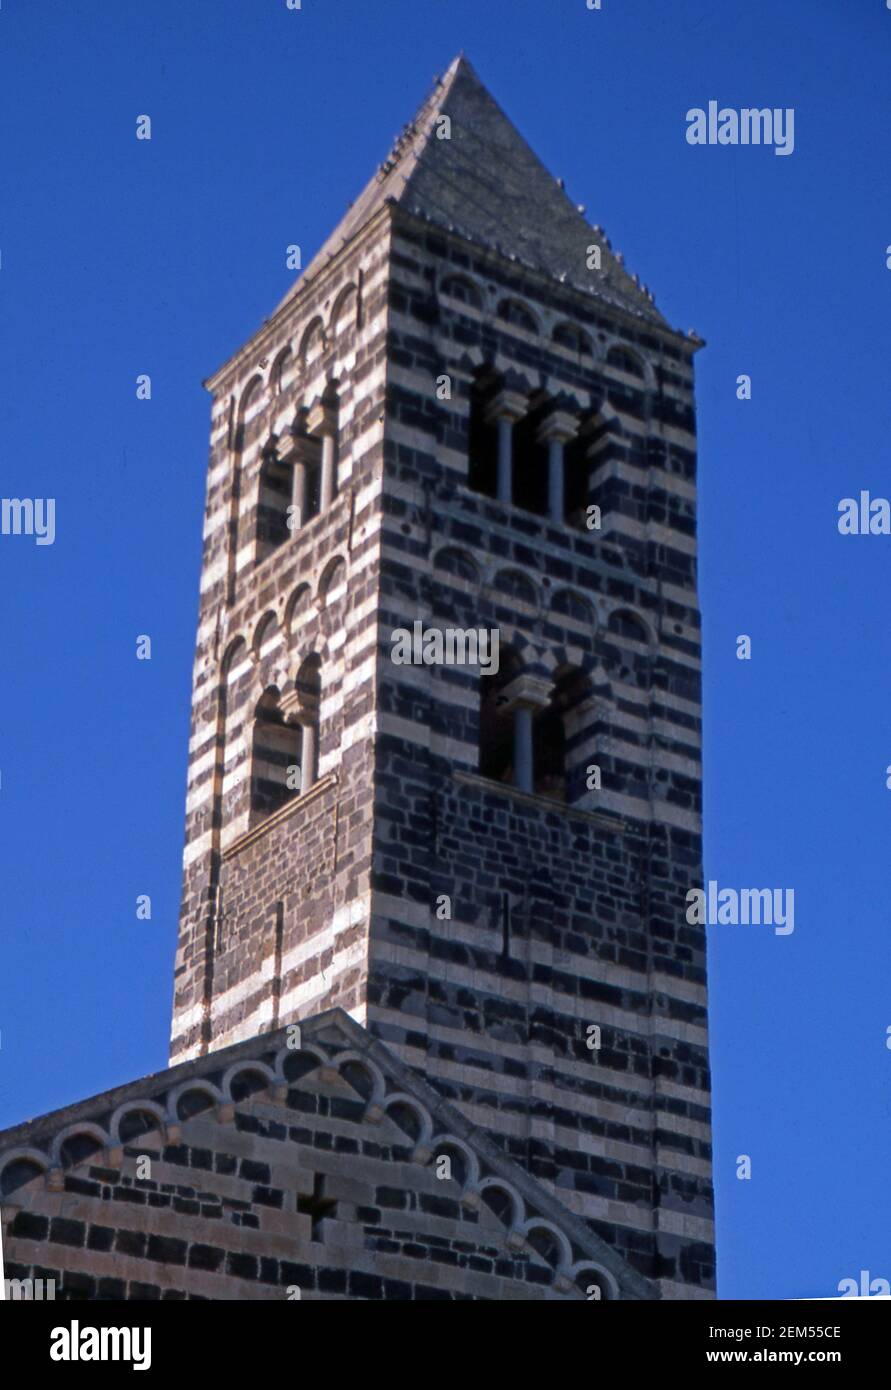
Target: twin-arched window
[(285, 741)]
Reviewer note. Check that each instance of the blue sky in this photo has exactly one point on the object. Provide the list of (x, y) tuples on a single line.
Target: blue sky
[(119, 257)]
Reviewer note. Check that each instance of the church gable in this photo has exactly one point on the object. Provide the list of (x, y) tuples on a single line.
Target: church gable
[(327, 1170)]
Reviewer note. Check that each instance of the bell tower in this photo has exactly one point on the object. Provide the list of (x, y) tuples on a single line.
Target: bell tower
[(466, 417)]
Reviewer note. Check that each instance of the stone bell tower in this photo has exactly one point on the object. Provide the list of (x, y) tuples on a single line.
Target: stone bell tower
[(466, 415)]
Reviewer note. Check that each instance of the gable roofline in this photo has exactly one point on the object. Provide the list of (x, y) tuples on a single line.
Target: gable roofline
[(326, 1035)]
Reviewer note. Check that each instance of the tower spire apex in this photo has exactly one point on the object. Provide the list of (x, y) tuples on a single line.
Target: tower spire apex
[(461, 164)]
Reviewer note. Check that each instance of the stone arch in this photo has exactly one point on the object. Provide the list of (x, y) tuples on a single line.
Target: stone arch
[(252, 390), (570, 336), (20, 1166), (518, 587), (236, 650), (124, 1119), (265, 630), (296, 1071), (179, 1100), (298, 603), (518, 313), (509, 1210), (568, 604), (236, 1083), (452, 560), (462, 288), (556, 1238), (626, 360), (333, 576), (469, 1180), (277, 370), (376, 1089), (313, 344), (585, 1272), (343, 311), (625, 623), (65, 1151), (424, 1123)]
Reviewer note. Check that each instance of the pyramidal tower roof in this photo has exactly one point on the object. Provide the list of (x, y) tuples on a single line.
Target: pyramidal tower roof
[(486, 184)]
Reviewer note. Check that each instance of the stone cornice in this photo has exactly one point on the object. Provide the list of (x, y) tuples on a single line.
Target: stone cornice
[(290, 808), (544, 803)]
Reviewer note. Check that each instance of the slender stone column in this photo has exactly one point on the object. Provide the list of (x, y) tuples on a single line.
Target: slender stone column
[(523, 748), (525, 694), (556, 431), (329, 481), (504, 410), (308, 757), (296, 451), (322, 423), (298, 494)]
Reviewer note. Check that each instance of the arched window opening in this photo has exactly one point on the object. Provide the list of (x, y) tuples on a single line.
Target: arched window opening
[(531, 462), (275, 758), (482, 473), (273, 502), (496, 719)]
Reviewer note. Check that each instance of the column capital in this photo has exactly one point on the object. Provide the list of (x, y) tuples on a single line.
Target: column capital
[(321, 419), (527, 691), (304, 449), (558, 426), (506, 405)]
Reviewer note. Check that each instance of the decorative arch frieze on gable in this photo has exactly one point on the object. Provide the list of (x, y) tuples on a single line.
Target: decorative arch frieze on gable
[(332, 1045)]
